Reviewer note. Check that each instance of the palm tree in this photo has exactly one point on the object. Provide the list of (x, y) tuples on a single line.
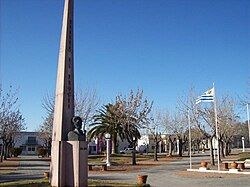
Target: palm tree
[(108, 120), (122, 119)]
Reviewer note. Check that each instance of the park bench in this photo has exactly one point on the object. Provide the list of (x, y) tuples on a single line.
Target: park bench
[(241, 164), (247, 163), (102, 165)]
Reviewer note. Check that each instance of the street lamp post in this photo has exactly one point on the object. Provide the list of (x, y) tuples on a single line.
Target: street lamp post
[(243, 144), (133, 152), (108, 136), (190, 143)]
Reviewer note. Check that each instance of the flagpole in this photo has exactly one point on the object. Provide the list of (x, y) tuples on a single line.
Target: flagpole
[(190, 151), (216, 129), (248, 122)]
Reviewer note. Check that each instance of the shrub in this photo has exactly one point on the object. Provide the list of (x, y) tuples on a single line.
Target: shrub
[(42, 152), (16, 151)]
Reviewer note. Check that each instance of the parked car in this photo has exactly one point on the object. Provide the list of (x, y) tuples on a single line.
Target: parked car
[(127, 151)]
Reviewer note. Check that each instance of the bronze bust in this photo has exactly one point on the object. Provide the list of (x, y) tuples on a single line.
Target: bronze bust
[(77, 134)]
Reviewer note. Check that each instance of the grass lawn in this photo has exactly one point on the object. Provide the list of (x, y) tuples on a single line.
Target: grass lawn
[(6, 171), (243, 156), (9, 163), (121, 159), (116, 159), (35, 183), (123, 162), (45, 183)]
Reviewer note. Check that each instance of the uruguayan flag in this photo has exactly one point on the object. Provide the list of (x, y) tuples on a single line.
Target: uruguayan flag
[(208, 96)]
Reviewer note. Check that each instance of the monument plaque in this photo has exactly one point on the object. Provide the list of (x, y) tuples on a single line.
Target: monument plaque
[(68, 158)]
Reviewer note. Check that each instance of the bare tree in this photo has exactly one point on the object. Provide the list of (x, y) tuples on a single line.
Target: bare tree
[(197, 138), (203, 118), (155, 129), (86, 103), (244, 102), (177, 125), (45, 129), (227, 120), (135, 110), (11, 120), (45, 132), (199, 117), (48, 103)]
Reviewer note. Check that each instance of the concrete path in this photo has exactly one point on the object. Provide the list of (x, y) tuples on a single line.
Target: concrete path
[(168, 175), (29, 169)]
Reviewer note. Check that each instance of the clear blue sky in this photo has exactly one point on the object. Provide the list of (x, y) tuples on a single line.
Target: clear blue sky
[(161, 46)]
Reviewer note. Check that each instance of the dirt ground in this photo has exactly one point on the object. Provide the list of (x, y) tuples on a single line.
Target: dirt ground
[(140, 164)]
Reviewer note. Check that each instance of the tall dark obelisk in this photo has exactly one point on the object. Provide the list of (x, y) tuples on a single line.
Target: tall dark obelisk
[(68, 158)]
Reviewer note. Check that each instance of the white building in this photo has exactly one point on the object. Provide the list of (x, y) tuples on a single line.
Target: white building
[(29, 142), (98, 145), (143, 144), (146, 144), (93, 146)]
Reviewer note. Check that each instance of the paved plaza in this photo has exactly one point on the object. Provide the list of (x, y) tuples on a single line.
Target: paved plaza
[(30, 168), (169, 174)]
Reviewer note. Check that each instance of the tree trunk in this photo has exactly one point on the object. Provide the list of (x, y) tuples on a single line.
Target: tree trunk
[(2, 153), (155, 151), (180, 147), (49, 148), (8, 152), (211, 151), (114, 143), (170, 151), (218, 151), (5, 152), (222, 149), (133, 155), (227, 149)]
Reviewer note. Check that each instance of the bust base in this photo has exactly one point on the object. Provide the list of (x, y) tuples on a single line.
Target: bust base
[(69, 163)]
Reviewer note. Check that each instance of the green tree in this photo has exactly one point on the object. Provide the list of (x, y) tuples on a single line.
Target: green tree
[(108, 120), (122, 119)]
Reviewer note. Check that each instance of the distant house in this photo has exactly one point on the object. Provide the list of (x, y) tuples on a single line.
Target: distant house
[(29, 142), (146, 144), (93, 146), (98, 145)]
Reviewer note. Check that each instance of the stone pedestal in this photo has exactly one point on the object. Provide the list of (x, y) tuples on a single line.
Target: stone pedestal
[(203, 169), (71, 167)]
